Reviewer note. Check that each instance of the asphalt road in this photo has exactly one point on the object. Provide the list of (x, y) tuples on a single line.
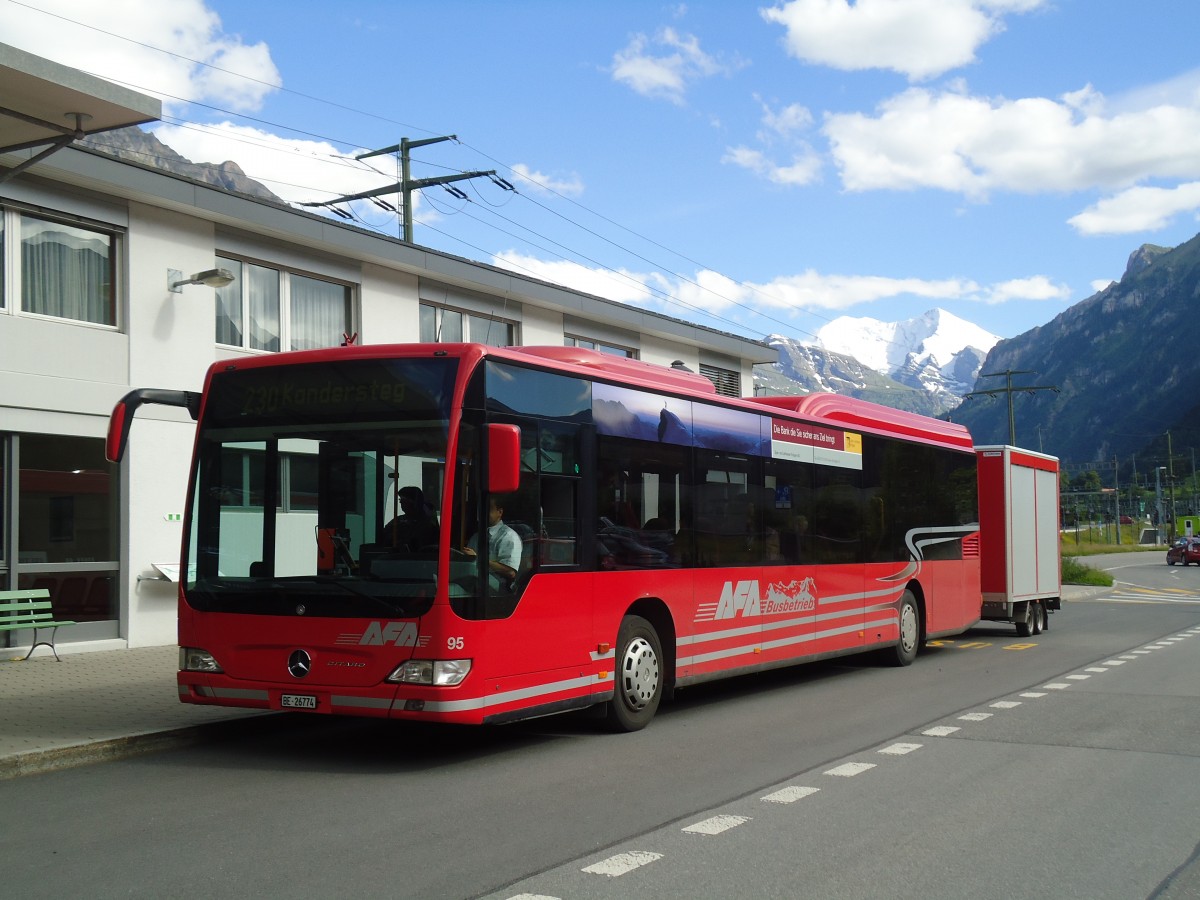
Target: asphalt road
[(1088, 790)]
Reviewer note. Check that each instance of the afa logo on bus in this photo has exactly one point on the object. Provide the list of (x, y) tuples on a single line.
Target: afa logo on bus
[(745, 598)]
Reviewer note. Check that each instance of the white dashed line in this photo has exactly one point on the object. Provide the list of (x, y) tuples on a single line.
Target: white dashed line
[(1113, 662), (790, 794), (622, 863), (1079, 677), (1034, 695), (1099, 670), (716, 825), (1005, 704), (975, 717), (900, 749), (1142, 652), (941, 730), (849, 770), (532, 897), (1056, 686)]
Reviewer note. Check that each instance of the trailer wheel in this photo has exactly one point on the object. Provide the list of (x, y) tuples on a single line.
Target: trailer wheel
[(638, 676), (1039, 616), (1026, 626), (906, 648)]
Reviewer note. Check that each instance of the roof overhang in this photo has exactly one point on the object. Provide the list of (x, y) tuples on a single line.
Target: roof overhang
[(47, 105)]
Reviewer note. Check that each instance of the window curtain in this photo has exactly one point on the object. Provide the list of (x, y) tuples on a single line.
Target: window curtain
[(229, 305), (263, 289), (320, 313), (67, 272)]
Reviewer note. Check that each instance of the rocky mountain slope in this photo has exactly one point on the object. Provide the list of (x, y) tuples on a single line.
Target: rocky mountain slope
[(142, 147), (1124, 361)]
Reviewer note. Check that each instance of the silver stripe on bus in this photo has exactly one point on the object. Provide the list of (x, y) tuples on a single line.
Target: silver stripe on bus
[(361, 702), (537, 690), (782, 642), (240, 694), (776, 624)]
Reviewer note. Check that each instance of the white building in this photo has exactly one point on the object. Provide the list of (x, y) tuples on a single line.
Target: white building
[(91, 249)]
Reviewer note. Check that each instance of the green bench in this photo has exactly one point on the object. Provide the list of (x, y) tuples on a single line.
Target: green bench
[(30, 609)]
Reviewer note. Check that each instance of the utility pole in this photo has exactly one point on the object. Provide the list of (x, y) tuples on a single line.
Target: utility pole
[(407, 184), (1008, 389), (1171, 486)]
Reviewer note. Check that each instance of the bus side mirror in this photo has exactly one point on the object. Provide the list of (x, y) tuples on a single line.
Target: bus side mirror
[(118, 430), (504, 458), (122, 415)]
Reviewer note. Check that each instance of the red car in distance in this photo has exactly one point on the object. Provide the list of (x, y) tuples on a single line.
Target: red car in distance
[(1183, 551)]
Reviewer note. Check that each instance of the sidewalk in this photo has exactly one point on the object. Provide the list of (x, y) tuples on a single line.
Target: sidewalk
[(94, 706), (110, 704)]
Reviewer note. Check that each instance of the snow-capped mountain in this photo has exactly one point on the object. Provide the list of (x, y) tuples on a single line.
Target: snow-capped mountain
[(924, 364)]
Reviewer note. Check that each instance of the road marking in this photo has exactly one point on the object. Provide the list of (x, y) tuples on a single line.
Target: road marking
[(716, 825), (941, 730), (1096, 669), (1056, 686), (790, 794), (1142, 652), (900, 749), (1005, 704), (532, 897), (622, 863), (849, 770), (975, 645), (1020, 646), (1033, 695), (975, 717), (1113, 662), (1078, 677)]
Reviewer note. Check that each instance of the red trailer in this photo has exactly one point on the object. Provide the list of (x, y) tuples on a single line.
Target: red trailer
[(1020, 569)]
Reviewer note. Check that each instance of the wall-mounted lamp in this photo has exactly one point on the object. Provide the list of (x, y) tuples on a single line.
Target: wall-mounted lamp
[(214, 278)]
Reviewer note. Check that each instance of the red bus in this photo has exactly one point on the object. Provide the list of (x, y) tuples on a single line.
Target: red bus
[(643, 533)]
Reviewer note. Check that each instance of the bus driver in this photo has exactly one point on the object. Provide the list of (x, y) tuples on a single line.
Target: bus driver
[(504, 548)]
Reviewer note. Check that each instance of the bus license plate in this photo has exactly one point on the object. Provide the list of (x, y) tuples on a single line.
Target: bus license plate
[(298, 701)]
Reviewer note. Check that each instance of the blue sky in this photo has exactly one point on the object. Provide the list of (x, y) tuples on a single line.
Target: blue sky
[(755, 167)]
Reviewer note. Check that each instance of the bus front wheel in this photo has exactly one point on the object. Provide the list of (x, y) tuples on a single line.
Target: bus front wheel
[(638, 675)]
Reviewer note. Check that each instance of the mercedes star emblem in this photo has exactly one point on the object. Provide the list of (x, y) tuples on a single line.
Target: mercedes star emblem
[(299, 664)]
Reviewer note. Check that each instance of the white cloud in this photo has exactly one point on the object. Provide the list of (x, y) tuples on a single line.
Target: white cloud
[(667, 75), (1138, 209), (187, 28), (918, 38), (804, 168), (718, 295), (569, 186), (1037, 287), (620, 285), (785, 126), (972, 145)]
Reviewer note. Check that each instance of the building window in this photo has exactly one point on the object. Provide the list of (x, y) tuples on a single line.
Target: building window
[(442, 325), (571, 340), (728, 382), (58, 269), (66, 503), (266, 308)]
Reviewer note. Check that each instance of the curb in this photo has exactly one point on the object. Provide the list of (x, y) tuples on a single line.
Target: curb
[(37, 762)]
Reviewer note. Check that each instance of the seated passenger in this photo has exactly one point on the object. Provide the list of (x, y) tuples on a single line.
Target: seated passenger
[(416, 527), (504, 548)]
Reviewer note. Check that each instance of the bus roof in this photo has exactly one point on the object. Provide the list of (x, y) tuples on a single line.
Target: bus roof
[(833, 409)]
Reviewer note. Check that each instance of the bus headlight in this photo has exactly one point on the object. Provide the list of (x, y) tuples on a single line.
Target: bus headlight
[(440, 672), (193, 659)]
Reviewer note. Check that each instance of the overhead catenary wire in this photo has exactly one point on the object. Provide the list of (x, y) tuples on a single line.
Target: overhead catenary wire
[(504, 183)]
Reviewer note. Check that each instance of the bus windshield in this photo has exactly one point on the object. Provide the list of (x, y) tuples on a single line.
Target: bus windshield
[(317, 487)]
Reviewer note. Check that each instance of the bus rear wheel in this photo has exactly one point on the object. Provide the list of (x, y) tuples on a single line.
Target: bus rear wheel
[(638, 675)]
